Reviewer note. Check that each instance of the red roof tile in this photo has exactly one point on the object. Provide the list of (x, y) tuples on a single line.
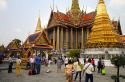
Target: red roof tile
[(89, 16), (61, 17)]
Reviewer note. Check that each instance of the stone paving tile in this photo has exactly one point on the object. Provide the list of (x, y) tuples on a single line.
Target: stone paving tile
[(54, 76)]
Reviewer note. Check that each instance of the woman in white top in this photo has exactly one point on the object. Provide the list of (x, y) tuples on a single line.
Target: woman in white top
[(89, 71), (78, 69)]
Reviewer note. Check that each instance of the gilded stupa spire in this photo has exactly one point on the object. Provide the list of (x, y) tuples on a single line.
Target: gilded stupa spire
[(75, 5), (75, 11), (38, 27), (102, 34)]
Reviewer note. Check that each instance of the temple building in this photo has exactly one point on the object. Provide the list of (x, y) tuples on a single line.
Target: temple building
[(36, 42), (103, 40), (71, 30), (13, 48)]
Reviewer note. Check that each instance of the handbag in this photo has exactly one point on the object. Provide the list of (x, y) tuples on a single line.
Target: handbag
[(103, 71)]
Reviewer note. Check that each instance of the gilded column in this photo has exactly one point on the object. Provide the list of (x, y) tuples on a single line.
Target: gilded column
[(67, 38), (61, 38), (71, 38), (76, 39), (82, 39), (54, 38), (57, 43)]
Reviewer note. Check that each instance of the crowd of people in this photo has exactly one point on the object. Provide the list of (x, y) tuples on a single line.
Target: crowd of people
[(76, 68), (73, 67)]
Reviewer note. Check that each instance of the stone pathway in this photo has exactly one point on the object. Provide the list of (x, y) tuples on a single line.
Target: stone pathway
[(54, 76)]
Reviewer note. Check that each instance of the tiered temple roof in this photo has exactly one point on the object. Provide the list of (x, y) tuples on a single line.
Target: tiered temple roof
[(13, 46), (103, 34), (75, 18), (37, 40)]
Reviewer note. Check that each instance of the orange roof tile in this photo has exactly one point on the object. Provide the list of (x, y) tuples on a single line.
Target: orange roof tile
[(61, 17), (89, 16)]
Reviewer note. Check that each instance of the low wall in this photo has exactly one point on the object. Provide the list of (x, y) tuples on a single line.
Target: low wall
[(107, 62)]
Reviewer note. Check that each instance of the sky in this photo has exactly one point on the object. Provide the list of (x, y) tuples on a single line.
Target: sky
[(18, 18)]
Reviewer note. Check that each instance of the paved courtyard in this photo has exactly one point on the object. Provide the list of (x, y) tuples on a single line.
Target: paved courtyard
[(54, 76)]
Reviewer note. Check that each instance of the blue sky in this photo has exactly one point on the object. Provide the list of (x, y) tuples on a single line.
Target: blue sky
[(18, 18)]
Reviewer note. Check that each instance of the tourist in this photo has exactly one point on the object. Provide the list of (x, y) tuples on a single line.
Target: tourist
[(37, 64), (18, 66), (99, 65), (66, 60), (59, 64), (32, 62), (93, 63), (88, 68), (68, 71), (78, 68), (87, 59), (49, 64), (55, 60), (10, 65), (84, 61)]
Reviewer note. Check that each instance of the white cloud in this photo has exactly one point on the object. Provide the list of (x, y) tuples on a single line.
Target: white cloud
[(117, 3), (3, 4), (89, 9)]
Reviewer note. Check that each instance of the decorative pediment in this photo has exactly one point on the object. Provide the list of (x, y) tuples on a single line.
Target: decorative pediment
[(42, 39)]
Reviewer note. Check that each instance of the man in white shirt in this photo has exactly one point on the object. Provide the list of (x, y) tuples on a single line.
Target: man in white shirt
[(89, 71), (66, 61), (32, 61)]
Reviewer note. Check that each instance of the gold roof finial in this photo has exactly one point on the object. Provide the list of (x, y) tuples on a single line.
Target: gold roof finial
[(101, 1), (38, 27), (75, 5), (75, 11), (101, 8)]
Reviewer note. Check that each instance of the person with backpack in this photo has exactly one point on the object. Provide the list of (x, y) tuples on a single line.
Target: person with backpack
[(88, 69)]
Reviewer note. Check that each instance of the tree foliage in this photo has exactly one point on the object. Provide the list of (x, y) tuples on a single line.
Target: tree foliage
[(74, 53), (118, 60)]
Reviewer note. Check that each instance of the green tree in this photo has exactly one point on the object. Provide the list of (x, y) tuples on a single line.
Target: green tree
[(74, 53), (118, 61)]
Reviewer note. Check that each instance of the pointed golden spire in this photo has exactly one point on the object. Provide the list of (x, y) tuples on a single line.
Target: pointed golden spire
[(75, 5), (103, 34), (75, 11), (38, 27)]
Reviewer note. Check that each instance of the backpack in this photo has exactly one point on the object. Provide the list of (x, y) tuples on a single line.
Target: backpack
[(33, 72)]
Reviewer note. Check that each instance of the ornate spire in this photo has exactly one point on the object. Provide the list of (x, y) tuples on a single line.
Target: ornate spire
[(75, 11), (75, 5), (38, 27), (103, 34)]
